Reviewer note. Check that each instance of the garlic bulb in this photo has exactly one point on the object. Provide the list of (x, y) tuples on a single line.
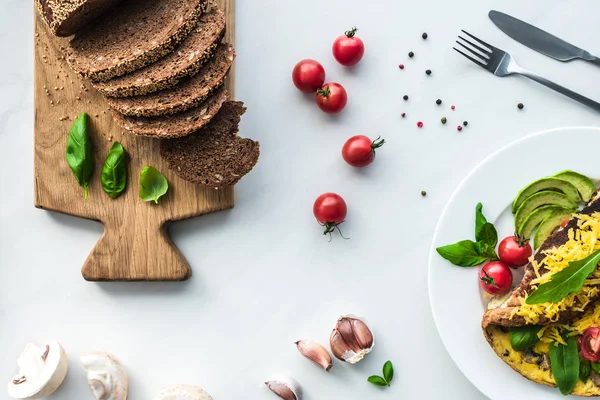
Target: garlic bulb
[(183, 392), (106, 376), (315, 352), (41, 371), (351, 339), (285, 387)]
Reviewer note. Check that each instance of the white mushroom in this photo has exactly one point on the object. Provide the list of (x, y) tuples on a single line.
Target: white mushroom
[(106, 376), (183, 392), (41, 371)]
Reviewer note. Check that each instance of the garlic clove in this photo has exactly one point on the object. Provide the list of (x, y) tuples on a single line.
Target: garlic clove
[(41, 371), (106, 375), (183, 392), (315, 352), (285, 387), (351, 339)]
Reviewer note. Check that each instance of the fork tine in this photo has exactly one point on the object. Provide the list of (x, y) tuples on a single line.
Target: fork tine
[(473, 52), (481, 49), (489, 46), (471, 58)]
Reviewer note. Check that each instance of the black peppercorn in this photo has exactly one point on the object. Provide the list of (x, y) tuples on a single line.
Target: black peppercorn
[(520, 106), (465, 123), (438, 102), (424, 35), (428, 72), (411, 54), (405, 97)]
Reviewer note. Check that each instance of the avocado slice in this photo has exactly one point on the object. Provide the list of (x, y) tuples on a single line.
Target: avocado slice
[(535, 218), (584, 185), (543, 198), (549, 225), (546, 184)]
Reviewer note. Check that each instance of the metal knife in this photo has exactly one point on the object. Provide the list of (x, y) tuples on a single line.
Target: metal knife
[(539, 40)]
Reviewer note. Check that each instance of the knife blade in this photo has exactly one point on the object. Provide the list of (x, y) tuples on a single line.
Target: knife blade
[(539, 40)]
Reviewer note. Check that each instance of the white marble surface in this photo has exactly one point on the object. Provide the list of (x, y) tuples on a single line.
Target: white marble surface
[(264, 275)]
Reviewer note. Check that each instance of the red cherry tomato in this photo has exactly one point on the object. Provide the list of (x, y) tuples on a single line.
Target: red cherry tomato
[(565, 223), (495, 278), (514, 251), (589, 344), (348, 49), (359, 150), (332, 98), (308, 76), (330, 210)]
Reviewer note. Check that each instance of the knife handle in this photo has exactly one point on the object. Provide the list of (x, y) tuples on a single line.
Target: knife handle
[(561, 89), (594, 60)]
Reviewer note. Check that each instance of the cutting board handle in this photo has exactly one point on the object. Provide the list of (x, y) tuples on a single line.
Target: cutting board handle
[(132, 252)]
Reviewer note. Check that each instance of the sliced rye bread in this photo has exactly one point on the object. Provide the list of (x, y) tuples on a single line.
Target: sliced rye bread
[(213, 157), (184, 61), (133, 35), (177, 125), (65, 18), (188, 94)]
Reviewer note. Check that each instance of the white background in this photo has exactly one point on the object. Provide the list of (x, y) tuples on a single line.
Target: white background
[(264, 276)]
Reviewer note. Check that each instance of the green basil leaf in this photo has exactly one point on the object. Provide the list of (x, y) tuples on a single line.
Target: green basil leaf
[(584, 370), (564, 361), (388, 371), (596, 367), (377, 381), (465, 253), (524, 337), (488, 235), (479, 221), (79, 152), (153, 184), (569, 280), (114, 172)]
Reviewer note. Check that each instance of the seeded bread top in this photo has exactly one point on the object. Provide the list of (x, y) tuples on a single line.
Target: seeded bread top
[(213, 157), (186, 95), (178, 125), (65, 17), (132, 36), (184, 61)]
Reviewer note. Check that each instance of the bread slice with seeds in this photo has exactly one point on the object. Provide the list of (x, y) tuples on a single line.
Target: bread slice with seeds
[(178, 125), (133, 35), (186, 60), (213, 157), (188, 94), (65, 18)]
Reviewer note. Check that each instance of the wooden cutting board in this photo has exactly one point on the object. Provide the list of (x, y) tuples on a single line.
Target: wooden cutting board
[(135, 245)]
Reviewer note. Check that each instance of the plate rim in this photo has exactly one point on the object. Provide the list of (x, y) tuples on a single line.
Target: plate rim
[(449, 203)]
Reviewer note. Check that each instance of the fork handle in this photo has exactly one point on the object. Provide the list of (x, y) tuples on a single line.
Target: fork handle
[(561, 89)]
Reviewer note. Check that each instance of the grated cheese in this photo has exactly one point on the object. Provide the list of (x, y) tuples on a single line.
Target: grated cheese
[(580, 244)]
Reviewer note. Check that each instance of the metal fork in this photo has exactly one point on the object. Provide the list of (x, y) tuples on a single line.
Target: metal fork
[(500, 63)]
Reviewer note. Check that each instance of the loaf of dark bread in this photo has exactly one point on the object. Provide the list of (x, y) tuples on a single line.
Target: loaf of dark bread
[(185, 61), (213, 157), (177, 125), (66, 17), (132, 36), (188, 94)]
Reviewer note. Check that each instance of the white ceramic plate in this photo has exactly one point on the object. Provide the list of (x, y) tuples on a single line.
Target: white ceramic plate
[(454, 292)]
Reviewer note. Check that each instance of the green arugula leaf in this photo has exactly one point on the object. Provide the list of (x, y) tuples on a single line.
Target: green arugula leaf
[(153, 184), (465, 253), (564, 361), (114, 172), (388, 371), (566, 281), (596, 367), (480, 221), (584, 370), (524, 337), (79, 152), (378, 381)]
